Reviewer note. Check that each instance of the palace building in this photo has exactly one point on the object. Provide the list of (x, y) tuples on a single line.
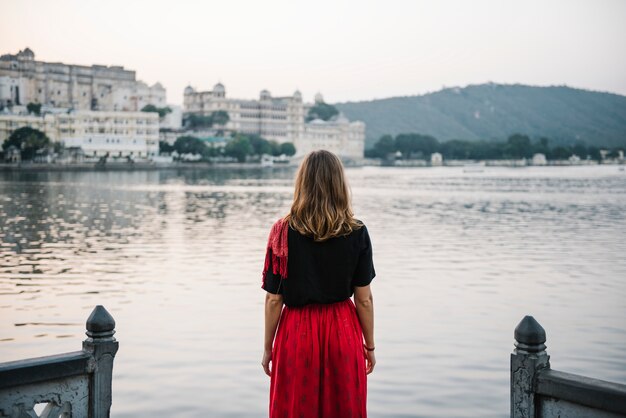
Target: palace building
[(281, 119), (24, 80), (98, 133)]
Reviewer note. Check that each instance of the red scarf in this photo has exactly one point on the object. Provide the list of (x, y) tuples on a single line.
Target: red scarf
[(277, 249)]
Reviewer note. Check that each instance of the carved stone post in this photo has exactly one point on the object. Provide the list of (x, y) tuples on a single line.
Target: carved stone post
[(528, 357), (102, 346)]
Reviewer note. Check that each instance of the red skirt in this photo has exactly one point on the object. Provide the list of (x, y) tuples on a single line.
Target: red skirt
[(318, 363)]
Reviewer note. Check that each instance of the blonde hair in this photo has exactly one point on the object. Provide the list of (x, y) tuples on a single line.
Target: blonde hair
[(321, 205)]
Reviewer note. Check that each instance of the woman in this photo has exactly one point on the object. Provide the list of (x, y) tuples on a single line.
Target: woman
[(318, 256)]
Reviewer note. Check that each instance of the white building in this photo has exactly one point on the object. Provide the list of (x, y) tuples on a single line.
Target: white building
[(174, 119), (539, 159), (436, 159), (24, 80), (118, 134), (280, 119), (340, 136)]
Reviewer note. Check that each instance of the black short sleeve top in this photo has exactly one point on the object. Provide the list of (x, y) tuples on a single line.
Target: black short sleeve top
[(323, 272)]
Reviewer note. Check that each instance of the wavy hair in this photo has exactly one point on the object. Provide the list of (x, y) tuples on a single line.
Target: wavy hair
[(321, 205)]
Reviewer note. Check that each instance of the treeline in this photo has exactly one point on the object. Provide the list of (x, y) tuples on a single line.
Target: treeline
[(162, 111), (417, 146), (240, 147), (195, 121)]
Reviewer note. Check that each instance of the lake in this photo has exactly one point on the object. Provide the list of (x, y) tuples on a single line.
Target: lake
[(176, 257)]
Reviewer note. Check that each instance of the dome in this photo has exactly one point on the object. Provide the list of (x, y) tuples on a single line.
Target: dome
[(297, 94), (219, 88), (265, 95), (189, 90), (319, 98), (27, 54)]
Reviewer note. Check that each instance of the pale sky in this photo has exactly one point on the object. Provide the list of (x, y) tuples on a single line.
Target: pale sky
[(347, 49)]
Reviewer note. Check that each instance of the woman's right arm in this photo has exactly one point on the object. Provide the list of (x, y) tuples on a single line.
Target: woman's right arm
[(364, 302)]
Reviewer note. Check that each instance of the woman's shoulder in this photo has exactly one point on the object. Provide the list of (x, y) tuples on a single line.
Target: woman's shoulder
[(359, 231), (360, 226)]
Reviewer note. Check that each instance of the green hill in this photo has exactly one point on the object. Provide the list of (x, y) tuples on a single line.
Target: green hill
[(495, 111)]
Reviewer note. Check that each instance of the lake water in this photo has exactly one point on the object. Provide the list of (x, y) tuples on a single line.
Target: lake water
[(176, 257)]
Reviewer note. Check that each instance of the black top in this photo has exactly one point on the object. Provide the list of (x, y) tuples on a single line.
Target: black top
[(323, 272)]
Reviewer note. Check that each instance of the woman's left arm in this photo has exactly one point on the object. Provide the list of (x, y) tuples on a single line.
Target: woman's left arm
[(273, 307)]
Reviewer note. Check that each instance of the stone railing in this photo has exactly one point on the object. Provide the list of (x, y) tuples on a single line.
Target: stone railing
[(76, 385), (537, 391)]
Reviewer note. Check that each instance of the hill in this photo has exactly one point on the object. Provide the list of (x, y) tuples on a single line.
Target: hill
[(494, 111)]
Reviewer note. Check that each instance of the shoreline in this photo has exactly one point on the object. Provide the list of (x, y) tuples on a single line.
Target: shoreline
[(88, 167)]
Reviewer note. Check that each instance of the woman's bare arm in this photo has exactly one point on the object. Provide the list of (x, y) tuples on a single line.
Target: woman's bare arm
[(364, 302), (273, 307)]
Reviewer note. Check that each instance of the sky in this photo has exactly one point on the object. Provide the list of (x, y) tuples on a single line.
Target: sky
[(349, 50)]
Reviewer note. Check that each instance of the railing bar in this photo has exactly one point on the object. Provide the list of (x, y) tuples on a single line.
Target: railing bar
[(587, 391), (30, 371)]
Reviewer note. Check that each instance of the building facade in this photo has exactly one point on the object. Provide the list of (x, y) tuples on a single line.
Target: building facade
[(280, 119), (116, 134), (340, 136), (24, 80), (274, 118)]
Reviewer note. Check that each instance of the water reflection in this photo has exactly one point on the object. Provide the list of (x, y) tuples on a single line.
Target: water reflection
[(176, 257)]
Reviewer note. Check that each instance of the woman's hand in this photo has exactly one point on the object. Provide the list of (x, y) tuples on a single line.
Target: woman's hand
[(370, 358), (267, 358)]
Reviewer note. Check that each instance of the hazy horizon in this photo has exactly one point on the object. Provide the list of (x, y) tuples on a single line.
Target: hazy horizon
[(349, 51)]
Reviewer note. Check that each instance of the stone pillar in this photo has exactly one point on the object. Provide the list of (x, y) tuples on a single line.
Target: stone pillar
[(528, 357), (102, 346)]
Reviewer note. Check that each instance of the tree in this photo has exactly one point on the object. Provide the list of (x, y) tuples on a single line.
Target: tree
[(580, 150), (192, 120), (321, 111), (457, 149), (542, 146), (165, 147), (220, 117), (259, 145), (274, 148), (410, 144), (384, 146), (28, 141), (238, 147), (190, 145), (594, 153), (560, 153), (287, 148), (34, 108), (518, 146), (162, 111)]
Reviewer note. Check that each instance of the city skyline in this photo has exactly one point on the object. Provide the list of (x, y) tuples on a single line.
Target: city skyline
[(349, 51)]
